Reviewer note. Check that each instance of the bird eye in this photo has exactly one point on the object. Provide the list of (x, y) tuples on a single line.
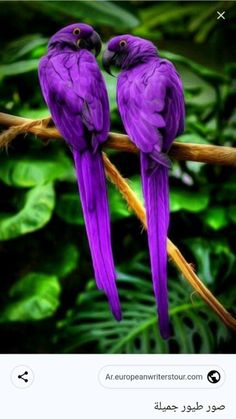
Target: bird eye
[(122, 43), (76, 31)]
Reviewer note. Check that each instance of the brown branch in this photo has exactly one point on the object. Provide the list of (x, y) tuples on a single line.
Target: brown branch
[(11, 133), (175, 255), (204, 153), (194, 152)]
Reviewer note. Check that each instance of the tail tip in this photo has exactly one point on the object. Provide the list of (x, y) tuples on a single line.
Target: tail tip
[(117, 314), (165, 335), (164, 331), (164, 325)]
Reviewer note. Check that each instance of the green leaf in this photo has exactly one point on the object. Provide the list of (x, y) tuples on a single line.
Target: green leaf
[(194, 166), (198, 23), (69, 208), (35, 213), (91, 323), (118, 206), (202, 254), (62, 260), (135, 184), (211, 76), (203, 33), (197, 91), (33, 297), (194, 124), (95, 12), (39, 113), (187, 200), (19, 67), (192, 138), (31, 171), (213, 258), (216, 218), (23, 46), (165, 13)]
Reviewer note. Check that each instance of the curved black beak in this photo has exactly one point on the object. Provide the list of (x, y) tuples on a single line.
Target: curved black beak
[(97, 43), (108, 59), (93, 42)]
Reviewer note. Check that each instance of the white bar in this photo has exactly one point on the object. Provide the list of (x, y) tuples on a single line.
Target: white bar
[(69, 387)]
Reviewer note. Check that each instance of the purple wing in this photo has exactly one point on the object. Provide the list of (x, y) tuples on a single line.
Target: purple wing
[(75, 93), (151, 104)]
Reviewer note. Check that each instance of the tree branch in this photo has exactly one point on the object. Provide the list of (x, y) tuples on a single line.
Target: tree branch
[(203, 153)]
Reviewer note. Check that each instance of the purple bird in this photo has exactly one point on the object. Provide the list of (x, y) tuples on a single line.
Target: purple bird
[(151, 104), (75, 92)]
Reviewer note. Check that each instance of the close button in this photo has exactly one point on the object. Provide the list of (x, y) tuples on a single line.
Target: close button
[(221, 15)]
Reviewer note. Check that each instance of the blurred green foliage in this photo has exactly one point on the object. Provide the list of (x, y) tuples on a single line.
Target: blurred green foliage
[(49, 302)]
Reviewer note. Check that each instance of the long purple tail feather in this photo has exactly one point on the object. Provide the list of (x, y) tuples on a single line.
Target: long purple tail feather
[(156, 194), (93, 194)]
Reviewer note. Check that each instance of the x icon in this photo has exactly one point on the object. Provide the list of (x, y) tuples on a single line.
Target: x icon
[(221, 15)]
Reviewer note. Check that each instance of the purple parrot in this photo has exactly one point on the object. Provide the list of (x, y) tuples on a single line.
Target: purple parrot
[(151, 104), (75, 92)]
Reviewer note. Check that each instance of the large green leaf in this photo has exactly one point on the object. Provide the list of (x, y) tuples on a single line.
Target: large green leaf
[(197, 91), (94, 12), (34, 214), (28, 171), (33, 297), (188, 200), (19, 67), (22, 47), (61, 261), (91, 322)]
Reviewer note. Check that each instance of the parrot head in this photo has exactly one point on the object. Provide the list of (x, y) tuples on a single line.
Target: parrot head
[(77, 36), (126, 51)]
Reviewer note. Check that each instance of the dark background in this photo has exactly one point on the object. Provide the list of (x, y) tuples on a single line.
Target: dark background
[(48, 300)]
